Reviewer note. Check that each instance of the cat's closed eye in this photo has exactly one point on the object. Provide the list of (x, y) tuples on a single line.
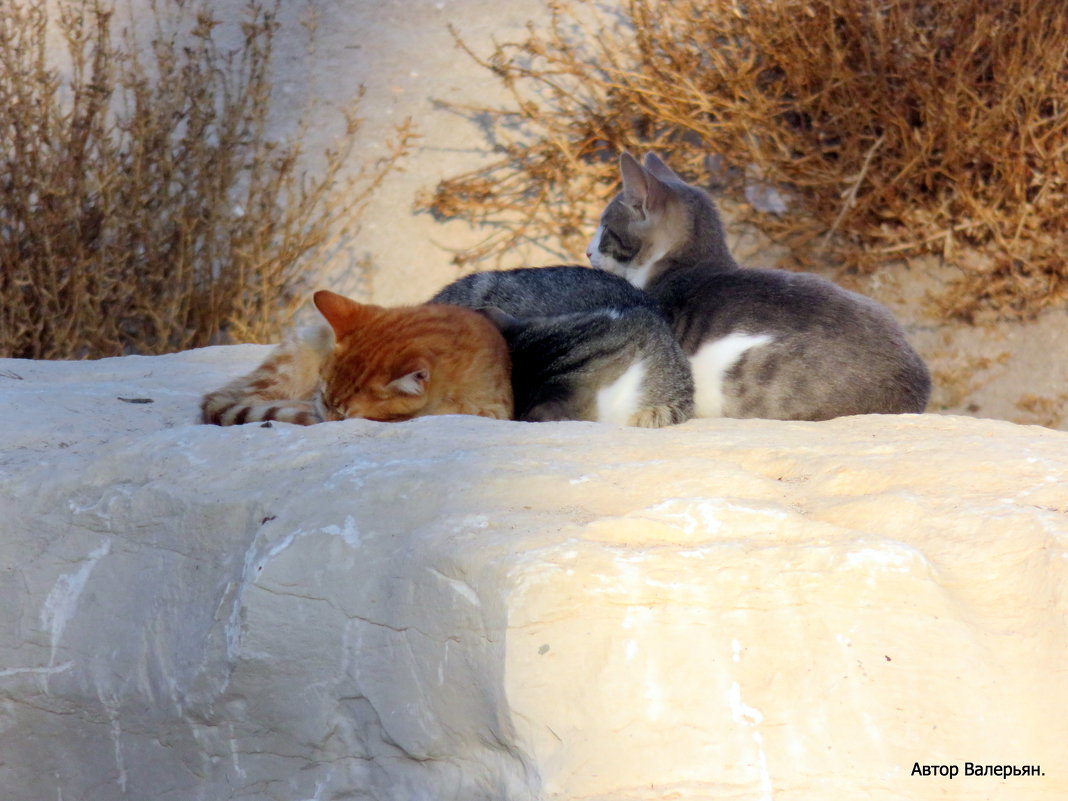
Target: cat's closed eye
[(390, 418), (616, 247), (333, 410)]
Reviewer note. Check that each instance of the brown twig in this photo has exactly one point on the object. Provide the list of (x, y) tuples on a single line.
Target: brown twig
[(949, 116), (143, 207), (850, 196)]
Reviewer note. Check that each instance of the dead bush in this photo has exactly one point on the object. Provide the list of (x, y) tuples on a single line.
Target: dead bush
[(893, 127), (143, 206)]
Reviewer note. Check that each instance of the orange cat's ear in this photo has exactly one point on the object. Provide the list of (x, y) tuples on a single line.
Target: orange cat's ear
[(413, 381), (343, 314), (642, 191)]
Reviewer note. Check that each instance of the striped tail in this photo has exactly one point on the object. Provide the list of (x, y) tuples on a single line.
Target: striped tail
[(285, 387), (234, 412)]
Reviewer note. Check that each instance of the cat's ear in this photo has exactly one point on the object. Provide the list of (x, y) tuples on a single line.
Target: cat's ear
[(413, 381), (642, 191), (343, 314), (634, 188), (503, 320), (655, 165)]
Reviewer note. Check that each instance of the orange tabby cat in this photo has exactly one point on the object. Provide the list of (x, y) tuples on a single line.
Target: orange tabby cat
[(386, 365)]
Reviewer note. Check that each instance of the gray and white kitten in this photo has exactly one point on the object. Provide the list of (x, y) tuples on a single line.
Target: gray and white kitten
[(762, 343), (585, 345)]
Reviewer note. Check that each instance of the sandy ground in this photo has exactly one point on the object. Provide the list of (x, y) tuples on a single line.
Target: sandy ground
[(401, 51), (1011, 371)]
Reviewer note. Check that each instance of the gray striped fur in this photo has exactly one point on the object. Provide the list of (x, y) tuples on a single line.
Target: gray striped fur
[(585, 345)]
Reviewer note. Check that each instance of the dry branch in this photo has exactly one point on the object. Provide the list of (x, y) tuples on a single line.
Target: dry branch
[(143, 206), (964, 100)]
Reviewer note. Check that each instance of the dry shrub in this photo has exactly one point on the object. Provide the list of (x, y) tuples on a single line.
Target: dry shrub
[(962, 376), (893, 127), (143, 206), (1042, 410)]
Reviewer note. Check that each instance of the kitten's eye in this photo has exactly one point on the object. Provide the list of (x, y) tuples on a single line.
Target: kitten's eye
[(334, 410), (391, 418), (616, 247)]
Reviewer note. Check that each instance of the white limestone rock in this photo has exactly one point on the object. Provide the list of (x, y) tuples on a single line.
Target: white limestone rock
[(466, 609)]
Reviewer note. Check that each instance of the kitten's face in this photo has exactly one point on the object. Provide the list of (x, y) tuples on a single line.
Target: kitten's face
[(355, 386), (644, 223), (373, 372), (615, 247), (396, 364)]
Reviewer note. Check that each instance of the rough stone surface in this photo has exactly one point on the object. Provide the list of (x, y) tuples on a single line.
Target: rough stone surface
[(466, 609)]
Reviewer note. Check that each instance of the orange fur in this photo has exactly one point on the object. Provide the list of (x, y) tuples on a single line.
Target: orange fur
[(387, 365), (396, 364)]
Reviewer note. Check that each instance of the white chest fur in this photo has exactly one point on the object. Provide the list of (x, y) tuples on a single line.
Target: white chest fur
[(619, 401), (710, 366)]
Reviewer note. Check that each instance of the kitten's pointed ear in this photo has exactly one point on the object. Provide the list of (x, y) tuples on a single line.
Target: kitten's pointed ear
[(503, 320), (642, 191), (342, 313), (634, 184), (654, 164), (413, 382)]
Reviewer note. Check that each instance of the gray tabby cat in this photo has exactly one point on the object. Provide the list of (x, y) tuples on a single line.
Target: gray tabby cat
[(585, 345), (762, 343)]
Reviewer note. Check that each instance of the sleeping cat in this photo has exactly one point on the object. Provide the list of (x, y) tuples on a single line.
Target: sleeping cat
[(387, 365), (762, 343), (585, 345)]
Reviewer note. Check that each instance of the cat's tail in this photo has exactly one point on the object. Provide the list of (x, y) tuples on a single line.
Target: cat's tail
[(283, 388), (222, 411)]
